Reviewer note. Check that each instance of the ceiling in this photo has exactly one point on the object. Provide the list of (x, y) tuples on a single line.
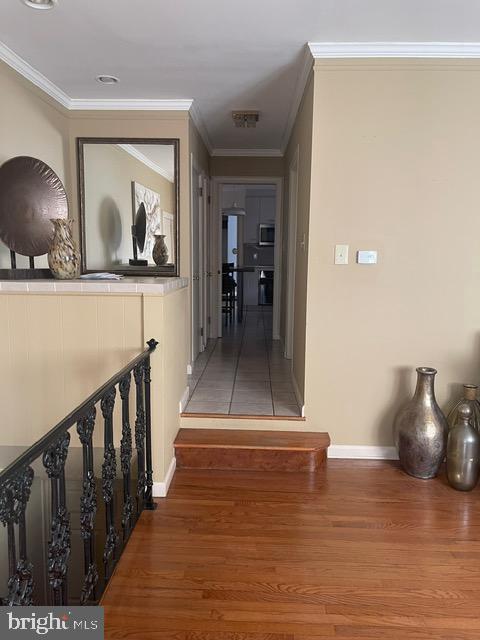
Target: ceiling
[(224, 55)]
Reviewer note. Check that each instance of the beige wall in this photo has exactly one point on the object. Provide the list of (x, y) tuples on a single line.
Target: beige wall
[(109, 173), (301, 142), (56, 349), (31, 125), (395, 168), (244, 166), (167, 317)]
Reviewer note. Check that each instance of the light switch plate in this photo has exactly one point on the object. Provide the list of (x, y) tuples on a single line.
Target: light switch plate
[(341, 254), (367, 257)]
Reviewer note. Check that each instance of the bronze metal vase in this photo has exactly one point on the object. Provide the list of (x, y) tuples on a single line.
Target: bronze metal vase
[(160, 250), (421, 429), (463, 451)]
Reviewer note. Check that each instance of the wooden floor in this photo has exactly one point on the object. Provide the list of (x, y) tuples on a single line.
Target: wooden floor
[(357, 550)]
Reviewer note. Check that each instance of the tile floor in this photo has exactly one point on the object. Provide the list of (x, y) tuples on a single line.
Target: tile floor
[(244, 372)]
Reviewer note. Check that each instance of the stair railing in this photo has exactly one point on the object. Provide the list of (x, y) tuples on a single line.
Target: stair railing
[(52, 449)]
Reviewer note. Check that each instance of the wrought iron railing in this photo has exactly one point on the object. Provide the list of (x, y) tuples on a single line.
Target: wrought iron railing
[(125, 493)]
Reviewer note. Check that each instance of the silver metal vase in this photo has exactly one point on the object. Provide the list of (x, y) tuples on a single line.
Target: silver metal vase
[(463, 451), (470, 392), (421, 429)]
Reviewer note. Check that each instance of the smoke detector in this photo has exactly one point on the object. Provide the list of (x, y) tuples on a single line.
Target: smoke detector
[(245, 118)]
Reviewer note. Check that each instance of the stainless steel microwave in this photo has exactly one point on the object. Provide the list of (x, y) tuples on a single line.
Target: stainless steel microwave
[(266, 235)]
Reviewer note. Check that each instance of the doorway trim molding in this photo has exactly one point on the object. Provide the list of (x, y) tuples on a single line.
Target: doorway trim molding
[(194, 165), (217, 182), (291, 218)]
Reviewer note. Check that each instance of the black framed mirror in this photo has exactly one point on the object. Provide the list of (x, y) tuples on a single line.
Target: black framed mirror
[(129, 205)]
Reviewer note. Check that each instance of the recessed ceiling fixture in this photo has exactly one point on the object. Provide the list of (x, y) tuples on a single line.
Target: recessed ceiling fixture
[(245, 118), (104, 79), (40, 4)]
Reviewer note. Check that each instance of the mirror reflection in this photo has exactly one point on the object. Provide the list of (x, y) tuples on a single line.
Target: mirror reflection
[(129, 206)]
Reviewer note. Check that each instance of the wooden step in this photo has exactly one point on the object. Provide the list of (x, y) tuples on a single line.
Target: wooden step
[(241, 450)]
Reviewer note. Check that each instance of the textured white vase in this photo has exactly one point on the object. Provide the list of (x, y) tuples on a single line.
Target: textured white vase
[(63, 255)]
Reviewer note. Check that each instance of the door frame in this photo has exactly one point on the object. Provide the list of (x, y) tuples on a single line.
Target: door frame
[(202, 224), (291, 253), (216, 246)]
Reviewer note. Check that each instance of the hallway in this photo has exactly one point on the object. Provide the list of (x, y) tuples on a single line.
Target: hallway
[(244, 372)]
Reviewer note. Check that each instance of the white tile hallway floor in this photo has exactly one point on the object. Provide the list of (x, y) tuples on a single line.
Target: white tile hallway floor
[(244, 372)]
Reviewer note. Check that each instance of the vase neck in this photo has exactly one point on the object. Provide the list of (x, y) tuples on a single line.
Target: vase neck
[(425, 384)]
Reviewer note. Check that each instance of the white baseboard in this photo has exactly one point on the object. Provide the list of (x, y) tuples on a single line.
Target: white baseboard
[(160, 489), (298, 395), (189, 369), (362, 452), (184, 399)]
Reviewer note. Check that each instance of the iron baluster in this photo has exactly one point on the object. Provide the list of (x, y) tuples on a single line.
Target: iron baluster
[(149, 503), (126, 456), (59, 545), (109, 473), (140, 436), (88, 506), (14, 496)]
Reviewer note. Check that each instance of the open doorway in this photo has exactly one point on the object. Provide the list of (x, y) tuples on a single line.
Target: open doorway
[(243, 370)]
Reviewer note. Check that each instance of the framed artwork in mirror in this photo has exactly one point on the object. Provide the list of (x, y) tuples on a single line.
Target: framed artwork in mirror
[(129, 205)]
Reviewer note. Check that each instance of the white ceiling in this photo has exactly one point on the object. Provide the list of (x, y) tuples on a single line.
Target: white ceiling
[(225, 55)]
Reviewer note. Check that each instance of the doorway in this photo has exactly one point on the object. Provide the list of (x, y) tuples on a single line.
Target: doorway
[(256, 268), (243, 370)]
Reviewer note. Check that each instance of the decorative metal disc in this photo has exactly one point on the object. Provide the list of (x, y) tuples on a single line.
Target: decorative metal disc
[(141, 226), (30, 194)]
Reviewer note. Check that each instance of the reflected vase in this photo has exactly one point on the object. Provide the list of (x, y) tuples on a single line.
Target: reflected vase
[(463, 451), (469, 397), (421, 430), (63, 255), (160, 250)]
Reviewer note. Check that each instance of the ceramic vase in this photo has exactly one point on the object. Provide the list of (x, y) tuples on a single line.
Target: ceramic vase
[(469, 397), (160, 250), (421, 429), (463, 451), (63, 255)]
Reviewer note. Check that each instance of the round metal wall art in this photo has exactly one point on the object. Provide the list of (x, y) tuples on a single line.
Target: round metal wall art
[(30, 194)]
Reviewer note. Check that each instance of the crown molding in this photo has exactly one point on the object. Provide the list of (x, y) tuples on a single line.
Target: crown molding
[(247, 153), (302, 79), (35, 77), (20, 65), (201, 127), (125, 104), (133, 151), (394, 49)]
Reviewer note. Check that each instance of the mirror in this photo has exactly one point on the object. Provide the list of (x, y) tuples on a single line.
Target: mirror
[(129, 194)]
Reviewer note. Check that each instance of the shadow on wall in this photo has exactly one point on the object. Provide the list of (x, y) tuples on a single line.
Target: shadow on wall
[(110, 228), (466, 372), (402, 391)]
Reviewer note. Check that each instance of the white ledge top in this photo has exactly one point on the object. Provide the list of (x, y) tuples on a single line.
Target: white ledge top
[(153, 286)]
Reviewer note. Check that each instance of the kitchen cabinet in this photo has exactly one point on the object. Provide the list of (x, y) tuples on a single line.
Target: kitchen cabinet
[(259, 210)]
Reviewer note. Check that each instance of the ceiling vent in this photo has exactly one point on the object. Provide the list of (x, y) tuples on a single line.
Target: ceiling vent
[(245, 118)]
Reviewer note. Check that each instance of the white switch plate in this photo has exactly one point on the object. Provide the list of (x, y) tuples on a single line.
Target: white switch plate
[(341, 254), (367, 257)]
